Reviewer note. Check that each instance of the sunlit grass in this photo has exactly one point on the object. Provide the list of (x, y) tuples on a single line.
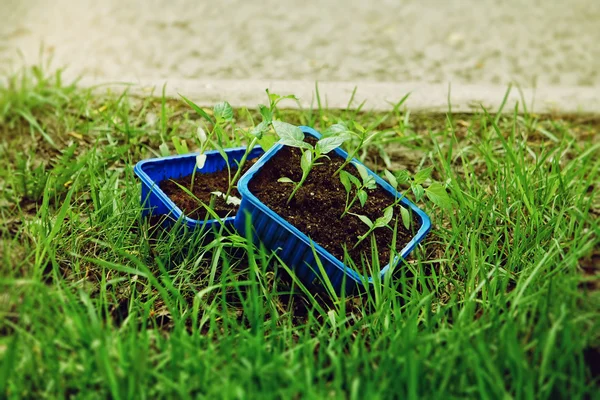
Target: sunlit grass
[(95, 301)]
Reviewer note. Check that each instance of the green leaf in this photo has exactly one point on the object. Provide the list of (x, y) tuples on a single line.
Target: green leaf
[(359, 127), (267, 141), (295, 143), (391, 179), (362, 197), (266, 113), (354, 180), (345, 179), (362, 171), (285, 180), (365, 219), (306, 161), (200, 161), (422, 175), (327, 144), (388, 214), (336, 129), (198, 110), (288, 131), (402, 177), (405, 217), (223, 111), (418, 191), (438, 195), (370, 182), (260, 129)]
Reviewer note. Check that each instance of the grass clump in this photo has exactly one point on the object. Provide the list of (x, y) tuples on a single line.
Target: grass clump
[(500, 301)]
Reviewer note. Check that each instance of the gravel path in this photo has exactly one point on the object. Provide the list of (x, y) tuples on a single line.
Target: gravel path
[(532, 42)]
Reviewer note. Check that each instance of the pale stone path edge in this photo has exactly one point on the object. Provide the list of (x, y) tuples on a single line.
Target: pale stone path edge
[(379, 96)]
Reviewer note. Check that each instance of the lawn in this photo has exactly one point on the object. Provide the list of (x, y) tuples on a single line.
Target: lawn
[(501, 300)]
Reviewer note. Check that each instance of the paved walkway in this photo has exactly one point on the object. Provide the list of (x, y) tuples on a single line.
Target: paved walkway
[(469, 42)]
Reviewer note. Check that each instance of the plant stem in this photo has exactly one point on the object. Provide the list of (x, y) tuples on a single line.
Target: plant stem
[(351, 204), (350, 157), (304, 176), (240, 165)]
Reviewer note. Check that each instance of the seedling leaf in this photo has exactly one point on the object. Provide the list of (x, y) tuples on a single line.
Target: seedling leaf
[(327, 144), (354, 180), (306, 162), (365, 219), (362, 170), (362, 197), (422, 175), (391, 179), (345, 180), (405, 217), (382, 221), (285, 180), (288, 131), (418, 191), (370, 182), (266, 113), (336, 129), (438, 195), (260, 129), (223, 111), (402, 177)]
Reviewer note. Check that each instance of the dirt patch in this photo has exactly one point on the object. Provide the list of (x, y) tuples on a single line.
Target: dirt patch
[(318, 205), (204, 185)]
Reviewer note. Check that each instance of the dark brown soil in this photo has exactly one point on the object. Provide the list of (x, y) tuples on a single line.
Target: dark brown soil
[(204, 184), (317, 206)]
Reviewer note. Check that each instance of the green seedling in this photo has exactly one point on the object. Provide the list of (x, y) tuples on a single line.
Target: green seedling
[(348, 181), (380, 222), (291, 135), (359, 132), (434, 192)]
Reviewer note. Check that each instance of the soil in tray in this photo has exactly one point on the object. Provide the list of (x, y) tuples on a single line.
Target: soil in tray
[(316, 207), (204, 184)]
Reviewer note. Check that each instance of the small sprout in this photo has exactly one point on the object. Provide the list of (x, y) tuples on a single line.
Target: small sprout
[(368, 182), (223, 112), (231, 200), (285, 180), (380, 222), (291, 135), (405, 217)]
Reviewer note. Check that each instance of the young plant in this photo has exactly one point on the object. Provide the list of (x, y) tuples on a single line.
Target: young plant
[(348, 181), (223, 115), (293, 136), (380, 222), (435, 191), (359, 132)]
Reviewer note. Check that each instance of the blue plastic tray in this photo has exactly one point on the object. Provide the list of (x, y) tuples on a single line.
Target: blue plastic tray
[(294, 247), (155, 170)]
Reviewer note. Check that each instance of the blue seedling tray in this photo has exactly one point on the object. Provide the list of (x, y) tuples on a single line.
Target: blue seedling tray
[(153, 171), (295, 248)]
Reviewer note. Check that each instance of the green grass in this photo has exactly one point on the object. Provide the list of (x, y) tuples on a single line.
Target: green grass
[(500, 301)]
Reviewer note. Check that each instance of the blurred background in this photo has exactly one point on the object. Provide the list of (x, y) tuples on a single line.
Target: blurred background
[(530, 42)]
